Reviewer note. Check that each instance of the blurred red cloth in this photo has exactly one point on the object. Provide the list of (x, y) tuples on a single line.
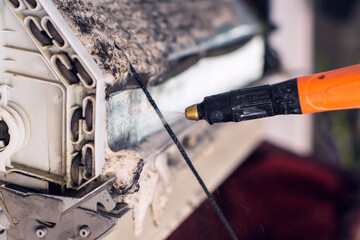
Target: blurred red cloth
[(273, 195)]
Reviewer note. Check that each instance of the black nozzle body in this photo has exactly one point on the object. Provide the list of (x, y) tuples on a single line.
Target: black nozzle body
[(251, 103)]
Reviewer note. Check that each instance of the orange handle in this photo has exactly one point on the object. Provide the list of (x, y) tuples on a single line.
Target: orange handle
[(334, 90)]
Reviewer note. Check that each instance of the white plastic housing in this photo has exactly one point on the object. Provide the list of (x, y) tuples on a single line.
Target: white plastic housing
[(40, 100)]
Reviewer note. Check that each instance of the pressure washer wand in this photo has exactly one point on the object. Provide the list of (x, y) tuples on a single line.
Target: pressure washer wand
[(334, 90)]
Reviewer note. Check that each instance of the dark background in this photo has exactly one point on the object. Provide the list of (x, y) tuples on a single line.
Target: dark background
[(337, 44)]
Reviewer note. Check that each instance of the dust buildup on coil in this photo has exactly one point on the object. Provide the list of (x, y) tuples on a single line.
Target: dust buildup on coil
[(147, 31)]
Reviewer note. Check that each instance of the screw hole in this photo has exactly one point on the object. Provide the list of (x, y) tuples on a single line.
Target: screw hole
[(85, 231), (321, 77), (41, 232)]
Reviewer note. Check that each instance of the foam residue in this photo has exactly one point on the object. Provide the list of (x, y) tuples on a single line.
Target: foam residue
[(126, 165), (143, 184), (155, 184)]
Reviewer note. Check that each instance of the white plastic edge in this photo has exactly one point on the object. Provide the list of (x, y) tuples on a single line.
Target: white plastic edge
[(100, 109)]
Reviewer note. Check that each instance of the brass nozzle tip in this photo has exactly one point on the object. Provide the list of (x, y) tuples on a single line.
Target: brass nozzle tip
[(191, 113)]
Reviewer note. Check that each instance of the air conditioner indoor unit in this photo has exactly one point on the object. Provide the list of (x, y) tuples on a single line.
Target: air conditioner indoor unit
[(80, 145)]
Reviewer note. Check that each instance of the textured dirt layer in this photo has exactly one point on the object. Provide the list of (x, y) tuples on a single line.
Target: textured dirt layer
[(152, 34), (127, 166)]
